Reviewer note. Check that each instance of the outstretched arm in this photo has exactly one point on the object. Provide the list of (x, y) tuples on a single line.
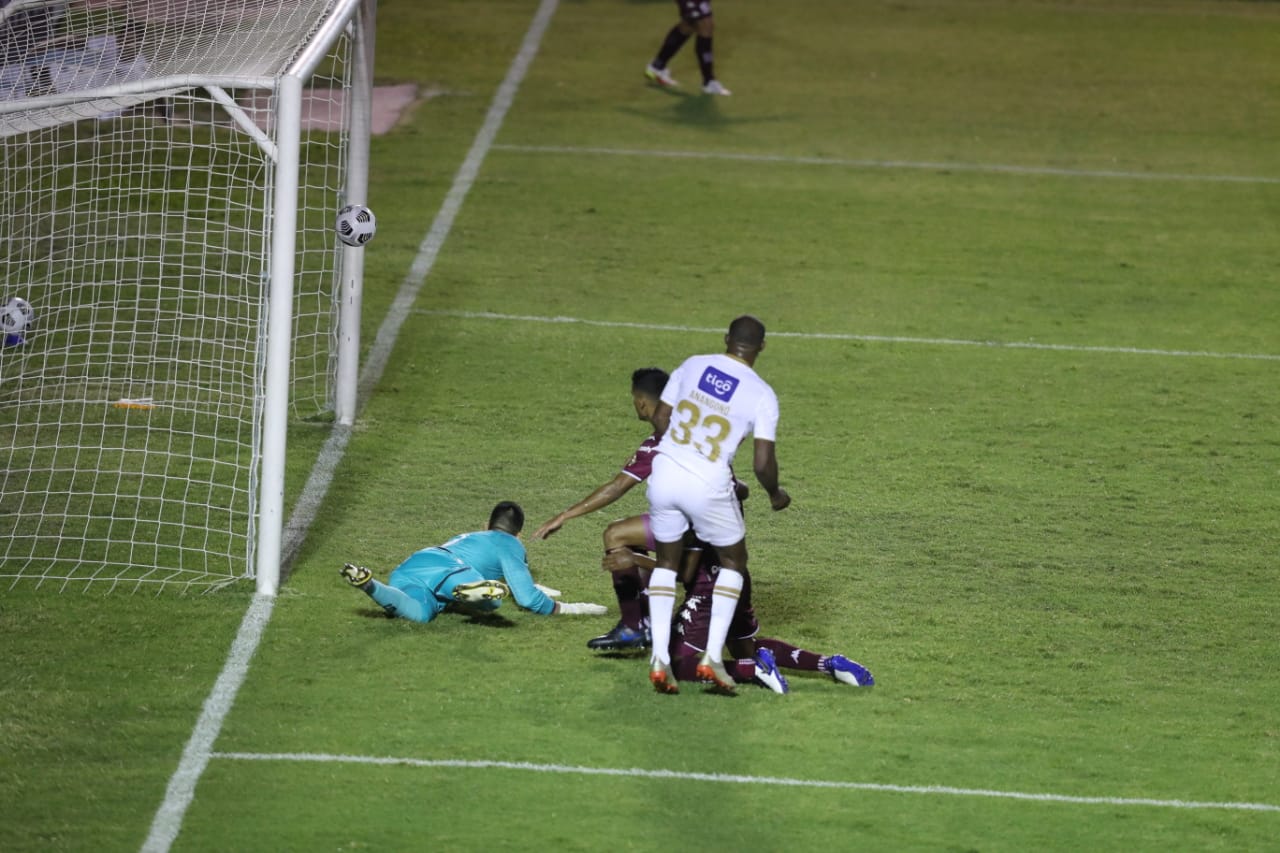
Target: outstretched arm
[(515, 571), (766, 466), (600, 498)]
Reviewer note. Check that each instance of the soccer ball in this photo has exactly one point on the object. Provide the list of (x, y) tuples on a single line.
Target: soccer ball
[(16, 316), (356, 225)]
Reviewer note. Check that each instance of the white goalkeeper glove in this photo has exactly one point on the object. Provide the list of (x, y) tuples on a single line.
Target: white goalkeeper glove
[(548, 591), (580, 609)]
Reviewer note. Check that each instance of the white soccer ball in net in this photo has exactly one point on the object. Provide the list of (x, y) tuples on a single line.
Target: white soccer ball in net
[(16, 316), (356, 225)]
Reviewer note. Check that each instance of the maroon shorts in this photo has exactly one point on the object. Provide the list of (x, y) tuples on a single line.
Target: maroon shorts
[(692, 623), (694, 10)]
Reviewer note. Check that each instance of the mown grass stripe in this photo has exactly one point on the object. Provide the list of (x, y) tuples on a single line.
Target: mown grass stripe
[(839, 336), (923, 166)]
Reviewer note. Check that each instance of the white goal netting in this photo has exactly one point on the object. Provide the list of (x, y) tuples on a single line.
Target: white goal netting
[(138, 207)]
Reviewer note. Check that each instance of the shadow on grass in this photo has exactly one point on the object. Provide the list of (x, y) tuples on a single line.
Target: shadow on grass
[(487, 620), (694, 109), (623, 654)]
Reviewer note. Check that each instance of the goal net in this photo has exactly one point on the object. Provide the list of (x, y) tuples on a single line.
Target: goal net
[(170, 174)]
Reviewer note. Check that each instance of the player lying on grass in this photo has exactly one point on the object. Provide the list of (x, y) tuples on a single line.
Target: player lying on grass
[(751, 658), (477, 570), (632, 630)]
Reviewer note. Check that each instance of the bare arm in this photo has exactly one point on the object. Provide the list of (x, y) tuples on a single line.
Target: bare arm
[(598, 499), (766, 466), (624, 558)]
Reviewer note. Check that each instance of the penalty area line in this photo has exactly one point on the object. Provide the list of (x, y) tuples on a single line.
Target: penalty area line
[(727, 778), (839, 336)]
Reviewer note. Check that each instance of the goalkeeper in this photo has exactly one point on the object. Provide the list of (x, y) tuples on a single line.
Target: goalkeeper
[(477, 570)]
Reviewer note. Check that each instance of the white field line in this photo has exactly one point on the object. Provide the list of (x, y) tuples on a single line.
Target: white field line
[(635, 772), (195, 756), (838, 336), (993, 168)]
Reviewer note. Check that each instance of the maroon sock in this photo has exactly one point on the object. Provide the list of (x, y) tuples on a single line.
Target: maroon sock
[(792, 657), (685, 668), (705, 62), (628, 587), (672, 43), (742, 670)]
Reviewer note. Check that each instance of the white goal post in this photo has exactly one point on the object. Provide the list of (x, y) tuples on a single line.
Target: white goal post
[(170, 175)]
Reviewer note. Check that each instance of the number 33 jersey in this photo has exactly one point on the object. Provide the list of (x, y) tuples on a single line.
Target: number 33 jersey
[(716, 402)]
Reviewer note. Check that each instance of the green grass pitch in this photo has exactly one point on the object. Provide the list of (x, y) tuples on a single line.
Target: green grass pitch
[(1017, 260)]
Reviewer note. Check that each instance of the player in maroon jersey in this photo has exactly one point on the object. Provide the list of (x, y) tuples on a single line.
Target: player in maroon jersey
[(631, 632), (751, 658), (695, 18)]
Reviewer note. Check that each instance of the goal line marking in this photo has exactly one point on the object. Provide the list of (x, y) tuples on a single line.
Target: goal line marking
[(636, 772), (902, 165), (180, 791), (839, 336)]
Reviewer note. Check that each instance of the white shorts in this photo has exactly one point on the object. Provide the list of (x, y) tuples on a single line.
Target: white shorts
[(680, 499)]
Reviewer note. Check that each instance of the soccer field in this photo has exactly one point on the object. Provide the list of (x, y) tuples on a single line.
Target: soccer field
[(1017, 262)]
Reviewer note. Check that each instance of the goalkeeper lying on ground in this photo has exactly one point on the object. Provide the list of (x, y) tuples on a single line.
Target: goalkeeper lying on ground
[(476, 570)]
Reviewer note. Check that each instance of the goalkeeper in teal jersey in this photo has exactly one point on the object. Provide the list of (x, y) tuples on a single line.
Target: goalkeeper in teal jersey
[(477, 570)]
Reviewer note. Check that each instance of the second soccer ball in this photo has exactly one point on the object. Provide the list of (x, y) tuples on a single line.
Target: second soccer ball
[(16, 316)]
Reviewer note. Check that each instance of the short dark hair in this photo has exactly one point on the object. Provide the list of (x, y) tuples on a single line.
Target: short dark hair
[(649, 381), (747, 330), (507, 516)]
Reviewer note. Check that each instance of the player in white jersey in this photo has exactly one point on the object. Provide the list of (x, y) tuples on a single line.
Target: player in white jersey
[(710, 405)]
